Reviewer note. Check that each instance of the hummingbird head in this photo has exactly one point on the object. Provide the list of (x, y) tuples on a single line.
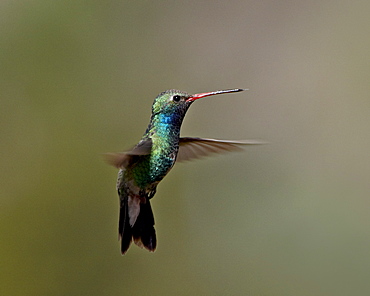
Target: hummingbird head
[(177, 102), (171, 102)]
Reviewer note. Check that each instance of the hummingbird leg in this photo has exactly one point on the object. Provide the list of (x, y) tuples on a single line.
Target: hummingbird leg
[(152, 193), (145, 194)]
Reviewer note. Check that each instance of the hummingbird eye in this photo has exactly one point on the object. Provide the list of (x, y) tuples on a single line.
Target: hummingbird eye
[(176, 98)]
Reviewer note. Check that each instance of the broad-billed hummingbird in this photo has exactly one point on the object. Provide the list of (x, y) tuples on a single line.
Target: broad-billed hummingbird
[(143, 167)]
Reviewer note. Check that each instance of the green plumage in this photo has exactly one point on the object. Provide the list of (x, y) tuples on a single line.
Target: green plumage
[(142, 168)]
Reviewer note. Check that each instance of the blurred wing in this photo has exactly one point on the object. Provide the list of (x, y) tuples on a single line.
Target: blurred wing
[(123, 159), (143, 148), (192, 148)]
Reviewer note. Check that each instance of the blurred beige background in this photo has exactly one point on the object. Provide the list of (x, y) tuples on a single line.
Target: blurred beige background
[(290, 218)]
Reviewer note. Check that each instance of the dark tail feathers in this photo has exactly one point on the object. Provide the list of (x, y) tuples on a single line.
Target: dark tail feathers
[(142, 231)]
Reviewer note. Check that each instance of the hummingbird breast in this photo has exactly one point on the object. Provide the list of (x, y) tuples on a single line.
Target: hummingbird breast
[(164, 133), (151, 169)]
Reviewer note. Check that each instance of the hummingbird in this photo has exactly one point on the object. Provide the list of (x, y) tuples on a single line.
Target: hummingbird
[(147, 163)]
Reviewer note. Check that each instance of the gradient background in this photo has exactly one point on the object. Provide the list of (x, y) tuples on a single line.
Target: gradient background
[(290, 218)]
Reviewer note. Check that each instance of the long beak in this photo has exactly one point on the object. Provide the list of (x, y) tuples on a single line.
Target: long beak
[(212, 93)]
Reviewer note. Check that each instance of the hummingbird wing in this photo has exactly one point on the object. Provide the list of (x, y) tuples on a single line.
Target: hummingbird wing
[(192, 148), (123, 159), (144, 147)]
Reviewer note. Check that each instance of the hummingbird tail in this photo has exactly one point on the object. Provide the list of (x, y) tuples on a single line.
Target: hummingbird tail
[(142, 231), (124, 228)]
